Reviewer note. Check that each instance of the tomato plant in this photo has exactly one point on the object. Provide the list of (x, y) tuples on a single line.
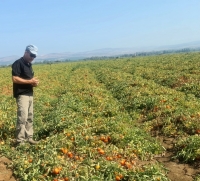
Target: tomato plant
[(97, 118)]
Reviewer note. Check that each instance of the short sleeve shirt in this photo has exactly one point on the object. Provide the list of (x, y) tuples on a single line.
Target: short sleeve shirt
[(24, 70)]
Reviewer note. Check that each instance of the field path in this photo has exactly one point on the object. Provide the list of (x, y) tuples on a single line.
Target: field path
[(5, 173), (176, 170)]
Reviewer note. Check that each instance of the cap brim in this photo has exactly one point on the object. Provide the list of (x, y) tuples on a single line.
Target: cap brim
[(33, 52)]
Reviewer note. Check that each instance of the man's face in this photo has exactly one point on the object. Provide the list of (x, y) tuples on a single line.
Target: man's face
[(29, 56)]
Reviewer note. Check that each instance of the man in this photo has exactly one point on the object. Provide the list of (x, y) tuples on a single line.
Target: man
[(23, 83)]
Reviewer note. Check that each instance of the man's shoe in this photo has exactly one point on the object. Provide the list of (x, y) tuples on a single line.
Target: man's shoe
[(31, 141)]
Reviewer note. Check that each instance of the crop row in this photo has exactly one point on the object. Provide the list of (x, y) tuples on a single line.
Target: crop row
[(84, 134), (161, 110), (94, 119)]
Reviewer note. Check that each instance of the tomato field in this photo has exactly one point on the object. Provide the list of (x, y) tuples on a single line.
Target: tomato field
[(100, 120)]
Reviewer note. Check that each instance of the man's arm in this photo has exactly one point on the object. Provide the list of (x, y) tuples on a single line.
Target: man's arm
[(19, 80)]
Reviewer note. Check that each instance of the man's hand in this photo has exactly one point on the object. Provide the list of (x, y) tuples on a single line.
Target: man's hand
[(35, 82), (34, 85)]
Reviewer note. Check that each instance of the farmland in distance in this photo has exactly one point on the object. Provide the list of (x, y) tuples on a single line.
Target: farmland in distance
[(103, 120)]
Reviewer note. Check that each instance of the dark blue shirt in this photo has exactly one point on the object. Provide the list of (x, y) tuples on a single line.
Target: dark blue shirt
[(24, 70)]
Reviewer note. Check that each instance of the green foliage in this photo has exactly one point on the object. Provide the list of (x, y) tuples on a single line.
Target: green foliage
[(188, 149), (104, 112)]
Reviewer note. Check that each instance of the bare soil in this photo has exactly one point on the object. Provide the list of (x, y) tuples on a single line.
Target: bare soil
[(5, 173), (176, 171)]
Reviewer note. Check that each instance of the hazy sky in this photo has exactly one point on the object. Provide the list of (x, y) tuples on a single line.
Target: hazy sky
[(56, 26)]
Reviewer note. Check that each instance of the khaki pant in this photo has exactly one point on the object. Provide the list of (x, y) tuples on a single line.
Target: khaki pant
[(24, 126)]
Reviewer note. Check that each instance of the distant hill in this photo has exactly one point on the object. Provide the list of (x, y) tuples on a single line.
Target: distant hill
[(99, 53)]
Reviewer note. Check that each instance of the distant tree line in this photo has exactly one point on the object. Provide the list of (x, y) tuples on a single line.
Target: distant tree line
[(160, 52)]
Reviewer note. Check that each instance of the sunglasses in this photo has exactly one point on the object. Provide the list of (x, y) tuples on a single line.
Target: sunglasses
[(32, 55)]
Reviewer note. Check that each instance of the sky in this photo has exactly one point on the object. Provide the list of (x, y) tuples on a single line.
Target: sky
[(58, 26)]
